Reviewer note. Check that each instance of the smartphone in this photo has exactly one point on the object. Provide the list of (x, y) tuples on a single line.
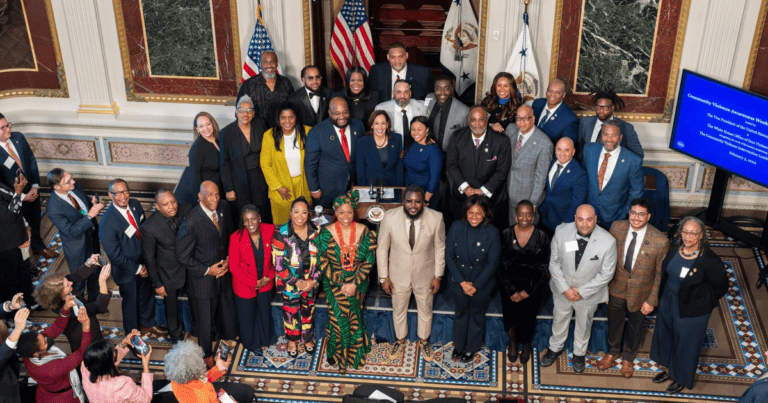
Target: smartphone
[(141, 347), (78, 306), (223, 350), (224, 397)]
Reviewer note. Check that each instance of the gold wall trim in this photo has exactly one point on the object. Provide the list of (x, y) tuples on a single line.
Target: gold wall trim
[(99, 109), (307, 18), (235, 42), (755, 45), (481, 51), (554, 55), (195, 99)]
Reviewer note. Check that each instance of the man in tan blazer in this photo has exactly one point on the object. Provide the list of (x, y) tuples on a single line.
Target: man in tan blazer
[(635, 286), (411, 259)]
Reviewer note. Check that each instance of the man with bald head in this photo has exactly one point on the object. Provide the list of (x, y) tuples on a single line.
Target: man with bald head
[(553, 116), (582, 264), (531, 156), (268, 89), (566, 187), (202, 245), (329, 154)]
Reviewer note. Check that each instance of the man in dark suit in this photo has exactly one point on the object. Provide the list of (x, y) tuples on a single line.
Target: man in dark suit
[(634, 290), (268, 89), (329, 161), (383, 75), (311, 100), (615, 176), (121, 239), (16, 157), (566, 187), (202, 245), (484, 172), (15, 275), (158, 248), (553, 116), (606, 101), (74, 215)]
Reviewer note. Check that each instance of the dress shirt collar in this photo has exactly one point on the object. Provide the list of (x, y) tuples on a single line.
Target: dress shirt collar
[(402, 73), (614, 153), (552, 110), (481, 138), (207, 212), (640, 235)]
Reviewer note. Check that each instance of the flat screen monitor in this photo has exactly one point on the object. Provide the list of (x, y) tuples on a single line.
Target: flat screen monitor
[(723, 126)]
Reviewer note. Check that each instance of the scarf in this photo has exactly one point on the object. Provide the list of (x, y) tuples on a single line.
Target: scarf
[(74, 379)]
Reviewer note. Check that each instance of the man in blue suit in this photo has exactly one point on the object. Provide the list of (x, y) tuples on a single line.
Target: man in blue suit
[(329, 161), (74, 215), (121, 239), (16, 157), (383, 75), (553, 116), (615, 176), (566, 187), (606, 101)]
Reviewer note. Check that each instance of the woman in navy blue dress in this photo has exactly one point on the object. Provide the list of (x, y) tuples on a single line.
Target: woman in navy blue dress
[(423, 160), (378, 153)]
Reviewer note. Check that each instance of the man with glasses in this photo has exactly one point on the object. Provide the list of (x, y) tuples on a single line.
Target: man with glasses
[(311, 100), (606, 101), (121, 238), (635, 286), (16, 158), (74, 215), (268, 89), (531, 156)]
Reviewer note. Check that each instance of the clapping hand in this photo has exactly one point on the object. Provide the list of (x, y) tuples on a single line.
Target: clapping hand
[(105, 272), (20, 320)]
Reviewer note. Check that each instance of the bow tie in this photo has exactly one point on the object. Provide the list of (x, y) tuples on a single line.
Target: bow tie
[(313, 94), (582, 238)]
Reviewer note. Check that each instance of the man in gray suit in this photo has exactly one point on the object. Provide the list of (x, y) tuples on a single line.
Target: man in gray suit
[(531, 155), (582, 264), (606, 101), (402, 109), (446, 113)]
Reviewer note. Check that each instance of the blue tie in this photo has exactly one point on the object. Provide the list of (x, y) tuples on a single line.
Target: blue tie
[(544, 118)]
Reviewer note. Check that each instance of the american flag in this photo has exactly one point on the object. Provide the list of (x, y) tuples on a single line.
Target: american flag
[(260, 43), (351, 43)]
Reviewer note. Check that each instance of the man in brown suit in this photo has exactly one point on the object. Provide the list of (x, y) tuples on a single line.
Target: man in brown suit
[(635, 285), (411, 259)]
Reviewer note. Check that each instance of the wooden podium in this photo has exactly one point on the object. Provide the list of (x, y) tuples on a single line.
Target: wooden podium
[(395, 199)]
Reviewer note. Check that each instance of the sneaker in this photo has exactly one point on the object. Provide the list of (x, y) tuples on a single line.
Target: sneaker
[(549, 357), (396, 350), (579, 363), (426, 350)]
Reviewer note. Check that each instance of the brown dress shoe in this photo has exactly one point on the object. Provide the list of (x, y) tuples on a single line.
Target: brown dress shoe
[(155, 330), (606, 362), (627, 368), (47, 253)]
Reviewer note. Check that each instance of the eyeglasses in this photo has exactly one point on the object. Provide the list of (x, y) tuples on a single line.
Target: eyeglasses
[(120, 193), (314, 77), (523, 118), (637, 214), (3, 127), (691, 234), (603, 107), (245, 110)]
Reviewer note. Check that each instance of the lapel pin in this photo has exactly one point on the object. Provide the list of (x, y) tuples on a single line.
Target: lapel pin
[(622, 160), (478, 244), (567, 171), (332, 138)]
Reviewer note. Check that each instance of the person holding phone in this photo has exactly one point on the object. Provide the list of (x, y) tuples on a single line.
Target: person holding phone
[(15, 274), (102, 380), (9, 363)]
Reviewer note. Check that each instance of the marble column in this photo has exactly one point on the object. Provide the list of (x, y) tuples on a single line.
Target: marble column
[(90, 67)]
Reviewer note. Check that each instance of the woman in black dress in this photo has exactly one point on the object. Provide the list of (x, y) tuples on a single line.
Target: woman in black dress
[(501, 102), (693, 282), (523, 274), (204, 153), (361, 99), (241, 173)]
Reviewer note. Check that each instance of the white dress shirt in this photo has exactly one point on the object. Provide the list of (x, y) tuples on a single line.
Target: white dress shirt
[(292, 154), (348, 135), (124, 212), (65, 197), (638, 242), (315, 101), (611, 164), (416, 223), (402, 74), (525, 136), (550, 114), (465, 185), (397, 120), (554, 169)]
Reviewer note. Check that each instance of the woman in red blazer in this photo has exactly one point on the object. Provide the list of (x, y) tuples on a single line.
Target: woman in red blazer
[(250, 261)]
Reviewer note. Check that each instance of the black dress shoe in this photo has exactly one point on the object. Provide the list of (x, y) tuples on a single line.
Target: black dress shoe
[(579, 363), (294, 353), (456, 354), (549, 357), (663, 376), (467, 357), (674, 387), (512, 352), (525, 354)]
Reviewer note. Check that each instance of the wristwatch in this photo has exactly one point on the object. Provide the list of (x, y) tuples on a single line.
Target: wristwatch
[(382, 280)]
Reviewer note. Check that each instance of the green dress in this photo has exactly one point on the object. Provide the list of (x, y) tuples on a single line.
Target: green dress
[(347, 341)]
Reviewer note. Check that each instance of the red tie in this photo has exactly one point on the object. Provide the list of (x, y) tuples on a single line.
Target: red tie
[(133, 222), (344, 144)]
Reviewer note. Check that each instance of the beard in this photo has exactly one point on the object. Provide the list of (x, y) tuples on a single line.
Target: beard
[(415, 216), (268, 76)]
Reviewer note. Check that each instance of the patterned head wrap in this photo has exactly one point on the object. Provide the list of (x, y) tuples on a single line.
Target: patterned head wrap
[(350, 198)]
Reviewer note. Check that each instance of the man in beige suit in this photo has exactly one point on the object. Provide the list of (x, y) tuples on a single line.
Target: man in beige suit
[(411, 259), (635, 286)]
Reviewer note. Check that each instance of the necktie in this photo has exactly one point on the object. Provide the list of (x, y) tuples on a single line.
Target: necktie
[(173, 224), (477, 143), (13, 155), (630, 253), (76, 204), (216, 221), (544, 118), (412, 234), (436, 124), (555, 176), (133, 222), (601, 172), (344, 143), (519, 143), (406, 125)]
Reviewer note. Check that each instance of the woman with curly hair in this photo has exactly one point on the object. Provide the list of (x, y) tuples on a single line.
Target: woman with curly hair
[(346, 252), (501, 102), (192, 383)]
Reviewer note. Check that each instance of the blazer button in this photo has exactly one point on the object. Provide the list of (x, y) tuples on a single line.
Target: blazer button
[(462, 265)]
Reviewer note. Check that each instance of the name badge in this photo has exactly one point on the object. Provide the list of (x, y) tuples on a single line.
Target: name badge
[(571, 246), (9, 162), (130, 231), (684, 272)]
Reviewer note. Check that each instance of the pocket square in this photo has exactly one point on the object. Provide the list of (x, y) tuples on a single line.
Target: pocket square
[(492, 159), (595, 258)]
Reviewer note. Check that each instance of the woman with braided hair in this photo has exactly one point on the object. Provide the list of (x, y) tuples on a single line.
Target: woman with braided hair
[(346, 252)]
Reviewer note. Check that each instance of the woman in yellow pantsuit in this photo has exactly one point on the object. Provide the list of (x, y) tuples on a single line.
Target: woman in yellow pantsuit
[(282, 160)]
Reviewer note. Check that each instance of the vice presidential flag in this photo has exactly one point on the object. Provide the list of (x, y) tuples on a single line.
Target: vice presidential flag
[(260, 43), (351, 43), (522, 64), (459, 50)]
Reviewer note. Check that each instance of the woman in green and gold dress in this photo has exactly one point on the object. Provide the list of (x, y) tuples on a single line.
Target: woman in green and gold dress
[(346, 252)]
